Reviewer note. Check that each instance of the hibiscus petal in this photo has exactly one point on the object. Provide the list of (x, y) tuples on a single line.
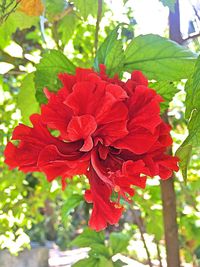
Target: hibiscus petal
[(117, 112), (133, 170), (167, 164), (117, 91), (111, 132), (114, 80), (83, 74), (68, 81), (97, 166), (55, 114), (82, 127), (144, 108), (91, 98), (138, 77), (81, 99), (31, 142), (54, 163), (25, 157), (138, 141), (104, 211)]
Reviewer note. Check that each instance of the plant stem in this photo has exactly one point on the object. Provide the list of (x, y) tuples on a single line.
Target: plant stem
[(170, 218), (55, 34), (6, 15), (170, 224), (61, 15), (159, 255), (99, 12), (140, 225), (167, 186), (174, 24)]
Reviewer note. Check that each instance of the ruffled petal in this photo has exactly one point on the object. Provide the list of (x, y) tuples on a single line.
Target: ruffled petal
[(138, 141), (117, 91), (158, 163), (113, 124), (104, 211), (135, 171), (68, 82), (54, 163), (166, 165), (82, 127), (31, 142), (38, 150), (137, 78), (55, 114), (144, 109), (97, 165)]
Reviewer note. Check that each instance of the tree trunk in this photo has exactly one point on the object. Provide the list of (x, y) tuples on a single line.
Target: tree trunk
[(167, 186), (170, 223), (170, 219), (174, 24)]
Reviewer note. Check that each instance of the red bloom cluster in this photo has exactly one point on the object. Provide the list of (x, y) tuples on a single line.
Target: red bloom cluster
[(110, 130)]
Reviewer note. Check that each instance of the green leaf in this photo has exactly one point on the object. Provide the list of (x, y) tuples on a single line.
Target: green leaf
[(71, 203), (190, 97), (184, 153), (54, 7), (52, 63), (17, 20), (99, 250), (88, 238), (192, 113), (118, 242), (156, 230), (169, 3), (118, 263), (159, 58), (26, 100), (167, 90), (86, 7), (192, 89), (66, 27), (23, 21), (194, 129), (110, 54), (94, 262)]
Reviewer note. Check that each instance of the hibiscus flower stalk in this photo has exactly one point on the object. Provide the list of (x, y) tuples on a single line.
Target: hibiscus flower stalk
[(109, 130)]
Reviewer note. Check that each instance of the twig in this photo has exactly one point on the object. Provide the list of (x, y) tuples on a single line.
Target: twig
[(197, 34), (61, 15), (189, 198), (13, 72), (56, 34), (99, 12), (191, 37), (6, 15), (10, 4), (168, 193), (195, 11), (159, 255), (139, 223)]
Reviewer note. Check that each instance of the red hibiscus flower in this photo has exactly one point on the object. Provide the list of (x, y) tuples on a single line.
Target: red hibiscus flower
[(110, 130)]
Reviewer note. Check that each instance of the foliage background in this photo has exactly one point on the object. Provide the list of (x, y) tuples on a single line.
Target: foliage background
[(33, 50)]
